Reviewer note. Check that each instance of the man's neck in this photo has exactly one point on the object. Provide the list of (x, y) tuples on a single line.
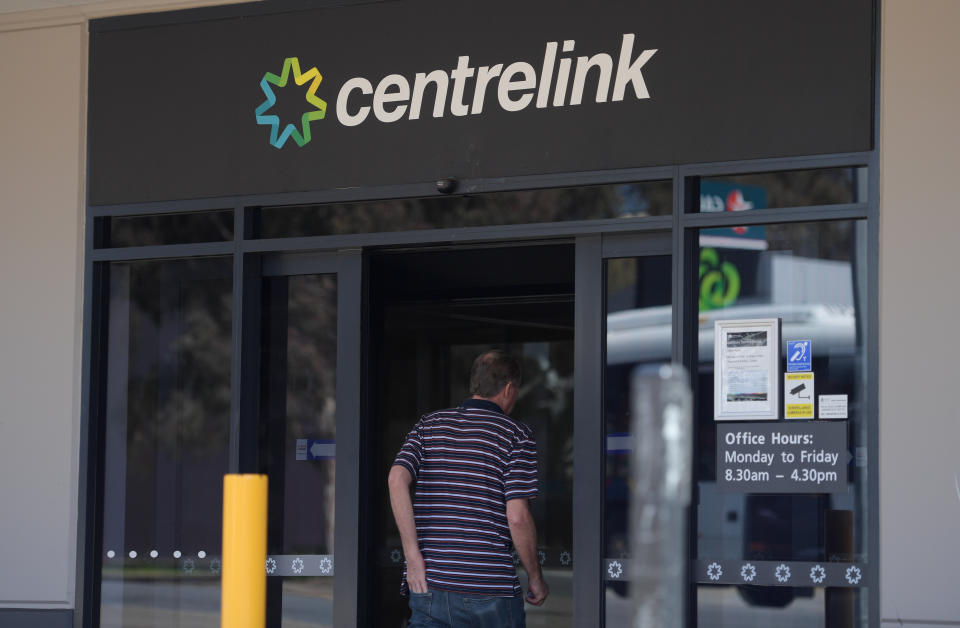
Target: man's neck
[(492, 401)]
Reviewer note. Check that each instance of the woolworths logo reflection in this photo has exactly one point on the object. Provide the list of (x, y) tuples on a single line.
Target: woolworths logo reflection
[(462, 90), (300, 136)]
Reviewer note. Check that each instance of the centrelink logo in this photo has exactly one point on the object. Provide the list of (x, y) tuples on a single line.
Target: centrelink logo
[(517, 86), (300, 136)]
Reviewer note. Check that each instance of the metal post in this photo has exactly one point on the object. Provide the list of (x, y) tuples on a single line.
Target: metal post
[(244, 580), (661, 469)]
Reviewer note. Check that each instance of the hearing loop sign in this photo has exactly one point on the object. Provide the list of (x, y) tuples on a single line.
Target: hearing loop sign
[(799, 355)]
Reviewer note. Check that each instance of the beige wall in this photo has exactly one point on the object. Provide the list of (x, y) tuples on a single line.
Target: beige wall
[(920, 311), (43, 60), (41, 116)]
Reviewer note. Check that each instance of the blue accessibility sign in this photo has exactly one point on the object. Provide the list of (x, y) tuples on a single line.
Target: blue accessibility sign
[(799, 356)]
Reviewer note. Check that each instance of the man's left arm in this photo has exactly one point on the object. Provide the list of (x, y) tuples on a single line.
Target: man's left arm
[(399, 482)]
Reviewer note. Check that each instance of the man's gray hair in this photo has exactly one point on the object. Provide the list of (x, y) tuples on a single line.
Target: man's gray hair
[(491, 371)]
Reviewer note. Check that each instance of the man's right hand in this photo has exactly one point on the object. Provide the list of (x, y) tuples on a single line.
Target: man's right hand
[(537, 591)]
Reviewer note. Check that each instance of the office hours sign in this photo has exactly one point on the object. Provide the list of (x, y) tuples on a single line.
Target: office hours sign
[(781, 457)]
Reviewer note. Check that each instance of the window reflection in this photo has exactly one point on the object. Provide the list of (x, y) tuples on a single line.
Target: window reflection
[(729, 606), (298, 440), (159, 229), (785, 188), (652, 198), (639, 324), (812, 276), (166, 440)]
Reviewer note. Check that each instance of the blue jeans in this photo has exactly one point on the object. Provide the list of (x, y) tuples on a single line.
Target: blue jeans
[(446, 609)]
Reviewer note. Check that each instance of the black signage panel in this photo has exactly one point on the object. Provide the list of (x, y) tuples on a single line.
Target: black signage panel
[(403, 92), (783, 457)]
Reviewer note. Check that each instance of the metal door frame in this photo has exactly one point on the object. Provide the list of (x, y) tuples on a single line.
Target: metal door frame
[(588, 426), (347, 265), (594, 240)]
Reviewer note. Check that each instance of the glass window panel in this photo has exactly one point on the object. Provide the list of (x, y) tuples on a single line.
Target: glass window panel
[(812, 276), (639, 324), (158, 229), (166, 442), (653, 198), (785, 188), (298, 445)]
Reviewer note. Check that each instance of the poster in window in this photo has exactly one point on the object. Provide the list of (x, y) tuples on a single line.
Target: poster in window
[(746, 358)]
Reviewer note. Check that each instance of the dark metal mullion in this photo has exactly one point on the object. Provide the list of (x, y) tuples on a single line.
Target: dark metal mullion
[(872, 344), (162, 207), (678, 265), (300, 264), (236, 346), (459, 236), (588, 453), (389, 192), (90, 473), (846, 211), (685, 345), (163, 251), (347, 522), (637, 245), (751, 166), (872, 418)]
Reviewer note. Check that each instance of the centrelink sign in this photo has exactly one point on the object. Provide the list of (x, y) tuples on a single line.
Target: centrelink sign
[(464, 89), (245, 101)]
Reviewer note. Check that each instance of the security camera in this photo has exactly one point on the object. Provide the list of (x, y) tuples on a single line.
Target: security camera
[(446, 186)]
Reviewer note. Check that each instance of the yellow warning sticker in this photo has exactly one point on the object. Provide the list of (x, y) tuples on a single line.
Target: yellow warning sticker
[(799, 410), (798, 395)]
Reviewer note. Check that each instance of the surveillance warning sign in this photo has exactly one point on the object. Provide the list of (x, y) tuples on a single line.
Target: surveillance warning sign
[(798, 395)]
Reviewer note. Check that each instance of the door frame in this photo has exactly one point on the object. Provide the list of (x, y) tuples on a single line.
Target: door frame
[(600, 235), (347, 266), (589, 462), (591, 252)]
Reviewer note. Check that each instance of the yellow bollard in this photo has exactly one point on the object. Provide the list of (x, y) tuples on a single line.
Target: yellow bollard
[(243, 596)]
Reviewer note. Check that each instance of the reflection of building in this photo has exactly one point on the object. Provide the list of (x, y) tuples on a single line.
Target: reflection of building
[(205, 299)]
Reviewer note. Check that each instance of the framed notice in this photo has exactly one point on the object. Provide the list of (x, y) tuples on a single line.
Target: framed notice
[(746, 363)]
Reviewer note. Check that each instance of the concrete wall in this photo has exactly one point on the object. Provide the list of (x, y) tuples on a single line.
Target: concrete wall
[(919, 312), (41, 130)]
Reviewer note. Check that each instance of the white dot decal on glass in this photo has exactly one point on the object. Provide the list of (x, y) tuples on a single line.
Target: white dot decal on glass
[(154, 553), (111, 554), (132, 554), (202, 554), (177, 554)]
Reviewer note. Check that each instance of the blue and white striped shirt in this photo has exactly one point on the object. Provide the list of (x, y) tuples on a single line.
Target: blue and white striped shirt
[(467, 462)]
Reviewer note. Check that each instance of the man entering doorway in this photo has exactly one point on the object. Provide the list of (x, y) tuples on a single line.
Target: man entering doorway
[(475, 470)]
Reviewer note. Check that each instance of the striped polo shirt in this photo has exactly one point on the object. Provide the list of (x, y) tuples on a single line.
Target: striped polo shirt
[(467, 462)]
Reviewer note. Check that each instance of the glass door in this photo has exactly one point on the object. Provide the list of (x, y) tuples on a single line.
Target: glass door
[(166, 422), (307, 338), (432, 312), (625, 321), (427, 314), (638, 320)]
